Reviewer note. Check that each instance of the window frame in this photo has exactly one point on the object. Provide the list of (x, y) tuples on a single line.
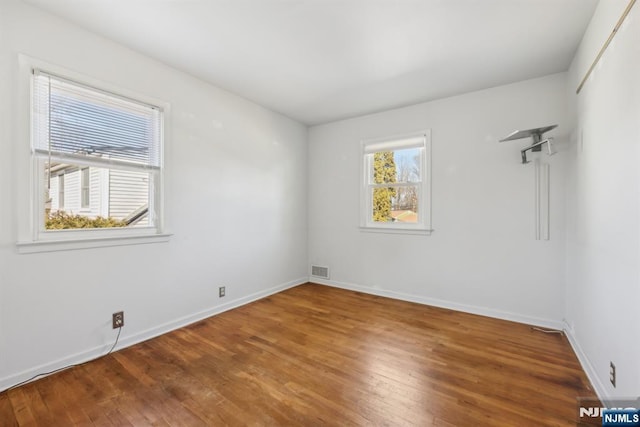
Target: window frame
[(32, 236), (395, 143)]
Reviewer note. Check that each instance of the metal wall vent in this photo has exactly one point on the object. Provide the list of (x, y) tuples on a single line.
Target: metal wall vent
[(322, 272)]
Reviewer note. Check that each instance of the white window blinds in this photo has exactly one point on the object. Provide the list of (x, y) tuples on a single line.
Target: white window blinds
[(416, 141), (75, 122)]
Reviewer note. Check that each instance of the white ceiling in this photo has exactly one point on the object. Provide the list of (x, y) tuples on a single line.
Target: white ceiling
[(322, 60)]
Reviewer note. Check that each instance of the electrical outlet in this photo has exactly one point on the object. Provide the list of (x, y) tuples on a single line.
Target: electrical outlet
[(612, 373), (118, 320), (221, 291)]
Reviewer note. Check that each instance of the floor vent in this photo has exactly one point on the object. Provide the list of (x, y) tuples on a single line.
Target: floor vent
[(322, 272)]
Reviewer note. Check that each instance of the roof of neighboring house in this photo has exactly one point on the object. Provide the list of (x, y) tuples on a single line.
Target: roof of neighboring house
[(404, 216)]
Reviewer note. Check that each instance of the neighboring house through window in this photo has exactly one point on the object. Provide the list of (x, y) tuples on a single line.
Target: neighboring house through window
[(85, 188), (395, 192), (61, 191)]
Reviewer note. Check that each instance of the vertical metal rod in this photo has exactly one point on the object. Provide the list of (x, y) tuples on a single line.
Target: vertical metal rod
[(544, 201), (537, 197)]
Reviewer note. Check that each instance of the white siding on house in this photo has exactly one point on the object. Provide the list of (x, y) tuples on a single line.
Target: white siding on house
[(71, 202), (72, 192), (112, 193), (128, 192), (54, 194), (98, 205)]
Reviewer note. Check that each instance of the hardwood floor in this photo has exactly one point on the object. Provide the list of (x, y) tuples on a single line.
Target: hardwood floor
[(315, 355)]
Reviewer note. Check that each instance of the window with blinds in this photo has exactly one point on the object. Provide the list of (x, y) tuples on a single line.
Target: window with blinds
[(101, 150), (395, 183)]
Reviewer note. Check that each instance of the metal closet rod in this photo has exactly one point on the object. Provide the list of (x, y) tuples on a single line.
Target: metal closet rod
[(606, 44)]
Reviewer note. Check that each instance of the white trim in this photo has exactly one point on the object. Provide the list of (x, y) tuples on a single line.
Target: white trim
[(417, 184), (473, 309), (127, 341), (82, 160), (587, 367), (396, 230), (97, 242)]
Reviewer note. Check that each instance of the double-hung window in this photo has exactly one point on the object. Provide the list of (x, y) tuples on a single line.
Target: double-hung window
[(395, 191), (97, 159)]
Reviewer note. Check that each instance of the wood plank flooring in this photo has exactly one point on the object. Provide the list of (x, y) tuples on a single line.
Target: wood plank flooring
[(315, 355)]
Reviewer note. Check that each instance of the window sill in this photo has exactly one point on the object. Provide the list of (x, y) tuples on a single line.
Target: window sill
[(102, 242), (392, 230)]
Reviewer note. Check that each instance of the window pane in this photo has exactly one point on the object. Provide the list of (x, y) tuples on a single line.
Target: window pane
[(396, 166), (381, 204), (115, 198), (407, 165), (404, 205), (384, 167), (395, 204)]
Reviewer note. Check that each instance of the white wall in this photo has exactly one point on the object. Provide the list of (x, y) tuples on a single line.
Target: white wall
[(482, 256), (235, 202), (603, 234)]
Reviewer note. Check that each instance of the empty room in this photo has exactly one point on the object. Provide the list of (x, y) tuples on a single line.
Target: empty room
[(312, 212)]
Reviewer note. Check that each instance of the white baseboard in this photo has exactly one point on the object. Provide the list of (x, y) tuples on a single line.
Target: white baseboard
[(483, 311), (587, 367), (127, 341)]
